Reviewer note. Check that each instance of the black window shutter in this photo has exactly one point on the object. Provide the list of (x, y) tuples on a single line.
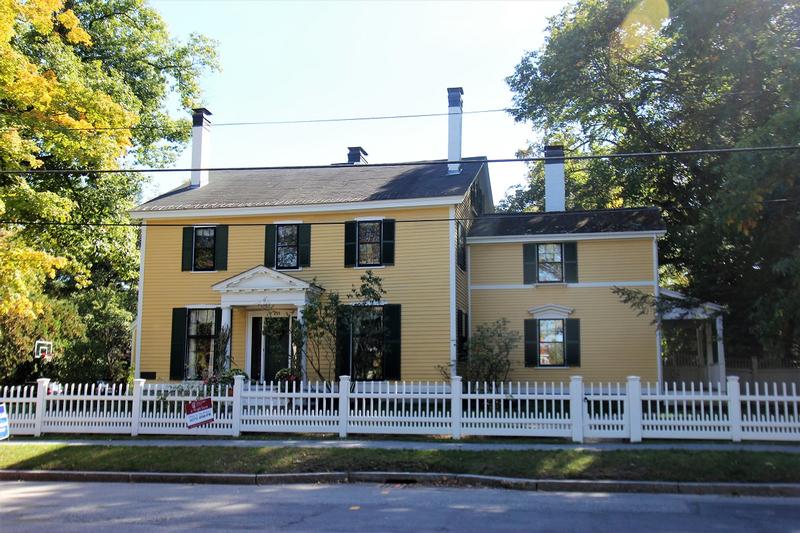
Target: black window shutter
[(217, 320), (387, 245), (188, 248), (350, 244), (269, 246), (255, 349), (571, 262), (572, 336), (460, 334), (221, 248), (177, 360), (391, 341), (304, 245), (529, 263), (342, 347), (531, 342)]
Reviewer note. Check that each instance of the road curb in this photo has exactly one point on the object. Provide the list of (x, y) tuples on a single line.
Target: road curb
[(420, 478)]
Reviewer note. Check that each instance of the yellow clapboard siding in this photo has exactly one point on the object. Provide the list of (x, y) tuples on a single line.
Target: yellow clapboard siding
[(602, 260), (615, 342), (419, 281)]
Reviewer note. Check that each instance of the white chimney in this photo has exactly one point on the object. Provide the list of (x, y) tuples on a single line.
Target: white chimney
[(201, 145), (554, 193), (455, 109)]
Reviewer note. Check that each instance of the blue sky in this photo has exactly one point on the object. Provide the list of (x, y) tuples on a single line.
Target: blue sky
[(307, 60)]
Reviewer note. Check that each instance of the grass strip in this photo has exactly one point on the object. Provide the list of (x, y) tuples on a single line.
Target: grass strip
[(640, 465)]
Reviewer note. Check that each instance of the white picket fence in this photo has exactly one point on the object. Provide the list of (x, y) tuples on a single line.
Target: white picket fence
[(574, 410)]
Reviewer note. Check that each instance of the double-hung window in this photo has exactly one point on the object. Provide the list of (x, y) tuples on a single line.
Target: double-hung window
[(550, 265), (369, 243), (552, 262), (201, 337), (287, 246), (551, 342), (204, 245), (205, 248)]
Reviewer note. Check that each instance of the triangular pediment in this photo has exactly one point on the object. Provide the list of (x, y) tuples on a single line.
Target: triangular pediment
[(550, 311), (261, 278)]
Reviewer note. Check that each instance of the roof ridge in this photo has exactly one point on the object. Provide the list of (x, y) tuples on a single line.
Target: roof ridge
[(575, 211)]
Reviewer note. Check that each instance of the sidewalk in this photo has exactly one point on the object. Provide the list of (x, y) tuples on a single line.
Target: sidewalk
[(408, 444)]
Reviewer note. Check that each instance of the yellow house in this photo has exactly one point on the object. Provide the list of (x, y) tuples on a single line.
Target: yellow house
[(235, 249)]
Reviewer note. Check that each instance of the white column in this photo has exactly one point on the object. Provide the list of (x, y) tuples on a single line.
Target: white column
[(344, 404), (238, 386), (136, 406), (226, 323), (304, 350), (735, 408), (41, 405), (455, 406)]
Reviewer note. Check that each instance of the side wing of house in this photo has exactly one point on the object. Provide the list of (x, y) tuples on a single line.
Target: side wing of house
[(557, 293)]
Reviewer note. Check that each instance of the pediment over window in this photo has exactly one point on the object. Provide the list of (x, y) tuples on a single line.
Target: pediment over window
[(262, 278), (551, 311)]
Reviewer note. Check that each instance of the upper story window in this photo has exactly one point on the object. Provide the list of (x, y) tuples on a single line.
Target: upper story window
[(205, 248), (287, 255), (550, 262), (369, 243), (461, 245), (287, 246), (550, 265), (204, 239)]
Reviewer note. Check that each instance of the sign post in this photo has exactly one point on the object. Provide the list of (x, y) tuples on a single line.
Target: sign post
[(4, 429), (199, 413)]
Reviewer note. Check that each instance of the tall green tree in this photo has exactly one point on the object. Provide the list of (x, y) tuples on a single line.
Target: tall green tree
[(87, 84), (618, 76)]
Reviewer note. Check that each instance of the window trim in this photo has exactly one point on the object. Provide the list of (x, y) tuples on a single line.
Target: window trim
[(213, 249), (359, 264), (214, 337), (539, 341), (539, 261), (296, 245)]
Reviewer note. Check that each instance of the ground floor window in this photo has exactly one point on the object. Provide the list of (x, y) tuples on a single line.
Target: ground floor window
[(366, 343), (201, 336), (551, 342)]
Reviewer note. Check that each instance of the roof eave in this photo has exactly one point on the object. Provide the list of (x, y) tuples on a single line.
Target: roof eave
[(488, 239)]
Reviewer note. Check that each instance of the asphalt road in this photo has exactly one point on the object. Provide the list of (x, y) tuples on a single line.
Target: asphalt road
[(84, 507)]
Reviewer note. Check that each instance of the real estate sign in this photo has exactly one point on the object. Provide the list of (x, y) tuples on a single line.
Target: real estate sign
[(3, 422), (199, 412)]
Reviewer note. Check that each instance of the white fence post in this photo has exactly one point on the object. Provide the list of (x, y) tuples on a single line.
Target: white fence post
[(236, 422), (41, 404), (634, 408), (455, 406), (735, 408), (344, 404), (576, 407), (136, 406)]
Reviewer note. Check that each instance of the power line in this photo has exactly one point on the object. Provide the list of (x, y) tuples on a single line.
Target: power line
[(273, 122), (677, 153)]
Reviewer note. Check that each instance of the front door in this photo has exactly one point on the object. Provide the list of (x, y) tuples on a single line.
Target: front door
[(270, 342)]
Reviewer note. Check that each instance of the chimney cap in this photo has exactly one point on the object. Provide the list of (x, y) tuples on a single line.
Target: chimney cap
[(355, 155), (454, 96), (554, 150), (200, 116)]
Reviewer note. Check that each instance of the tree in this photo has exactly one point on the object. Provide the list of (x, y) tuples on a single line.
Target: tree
[(489, 350), (326, 313), (618, 76), (84, 84)]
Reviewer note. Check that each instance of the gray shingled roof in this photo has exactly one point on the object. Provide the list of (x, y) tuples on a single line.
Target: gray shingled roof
[(551, 223), (334, 184)]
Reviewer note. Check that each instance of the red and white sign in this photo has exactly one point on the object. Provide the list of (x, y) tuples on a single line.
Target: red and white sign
[(198, 413)]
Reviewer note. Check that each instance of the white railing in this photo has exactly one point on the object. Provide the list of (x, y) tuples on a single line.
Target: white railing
[(574, 410)]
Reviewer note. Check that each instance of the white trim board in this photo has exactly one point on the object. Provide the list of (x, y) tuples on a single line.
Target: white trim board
[(579, 285), (137, 365), (201, 212), (562, 237), (453, 261)]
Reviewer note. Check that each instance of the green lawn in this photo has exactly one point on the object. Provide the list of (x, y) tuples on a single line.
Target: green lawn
[(652, 465)]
